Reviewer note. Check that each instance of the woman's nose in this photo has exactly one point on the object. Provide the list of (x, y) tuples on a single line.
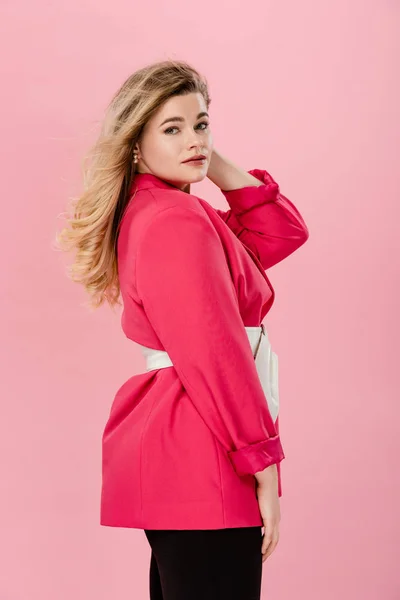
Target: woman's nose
[(195, 143)]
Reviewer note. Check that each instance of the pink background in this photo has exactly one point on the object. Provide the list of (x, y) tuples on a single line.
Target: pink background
[(308, 90)]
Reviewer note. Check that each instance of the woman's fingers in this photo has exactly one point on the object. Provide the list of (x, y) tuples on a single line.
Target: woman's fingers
[(271, 547), (269, 541)]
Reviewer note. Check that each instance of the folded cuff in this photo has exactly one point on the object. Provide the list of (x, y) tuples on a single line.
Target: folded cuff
[(247, 197), (257, 457)]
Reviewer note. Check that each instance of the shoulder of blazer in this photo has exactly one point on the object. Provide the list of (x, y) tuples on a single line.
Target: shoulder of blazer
[(150, 205), (164, 198)]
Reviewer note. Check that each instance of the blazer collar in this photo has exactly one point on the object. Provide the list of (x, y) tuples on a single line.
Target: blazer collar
[(144, 181)]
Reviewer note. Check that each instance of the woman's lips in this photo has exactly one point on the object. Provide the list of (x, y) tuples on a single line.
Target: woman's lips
[(196, 162)]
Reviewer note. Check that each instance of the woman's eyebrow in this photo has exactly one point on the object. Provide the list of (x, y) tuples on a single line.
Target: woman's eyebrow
[(201, 114)]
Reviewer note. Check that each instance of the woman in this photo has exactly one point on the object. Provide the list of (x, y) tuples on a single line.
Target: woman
[(191, 449)]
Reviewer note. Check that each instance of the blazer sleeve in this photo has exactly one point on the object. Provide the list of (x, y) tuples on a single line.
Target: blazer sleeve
[(184, 283), (265, 220)]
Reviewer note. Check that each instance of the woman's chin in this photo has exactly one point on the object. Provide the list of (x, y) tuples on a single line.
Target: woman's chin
[(196, 177)]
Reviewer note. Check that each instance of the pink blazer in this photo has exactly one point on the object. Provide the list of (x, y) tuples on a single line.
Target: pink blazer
[(181, 444)]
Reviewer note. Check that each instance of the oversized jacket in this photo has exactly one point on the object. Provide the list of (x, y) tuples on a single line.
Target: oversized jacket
[(182, 443)]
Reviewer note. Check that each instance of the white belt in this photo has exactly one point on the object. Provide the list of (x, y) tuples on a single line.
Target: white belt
[(265, 359)]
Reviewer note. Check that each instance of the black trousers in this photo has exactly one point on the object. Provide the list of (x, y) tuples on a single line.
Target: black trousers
[(205, 564)]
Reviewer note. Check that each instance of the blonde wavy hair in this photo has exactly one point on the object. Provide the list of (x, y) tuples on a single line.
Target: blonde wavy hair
[(108, 173)]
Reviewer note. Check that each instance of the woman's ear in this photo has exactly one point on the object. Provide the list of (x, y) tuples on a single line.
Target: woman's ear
[(136, 154)]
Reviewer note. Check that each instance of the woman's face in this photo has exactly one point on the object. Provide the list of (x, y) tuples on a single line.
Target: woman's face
[(164, 146)]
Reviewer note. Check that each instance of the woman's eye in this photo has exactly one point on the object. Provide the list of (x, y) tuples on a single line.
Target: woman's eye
[(169, 129)]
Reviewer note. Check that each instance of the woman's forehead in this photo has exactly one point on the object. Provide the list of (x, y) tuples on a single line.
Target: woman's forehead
[(186, 107)]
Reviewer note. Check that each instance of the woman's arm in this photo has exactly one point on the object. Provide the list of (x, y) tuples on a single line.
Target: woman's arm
[(260, 216), (184, 283), (228, 176)]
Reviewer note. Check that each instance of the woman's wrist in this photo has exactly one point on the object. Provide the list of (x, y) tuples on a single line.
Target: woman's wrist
[(228, 176), (267, 475)]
